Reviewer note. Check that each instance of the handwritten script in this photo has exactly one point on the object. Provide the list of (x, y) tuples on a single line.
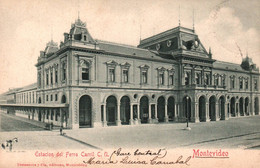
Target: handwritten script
[(139, 157)]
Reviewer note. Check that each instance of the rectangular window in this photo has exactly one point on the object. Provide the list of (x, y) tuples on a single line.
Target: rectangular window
[(51, 97), (161, 78), (232, 83), (56, 75), (125, 76), (56, 97), (241, 84), (111, 75), (144, 77), (207, 79), (64, 71), (246, 84), (171, 79), (47, 98), (39, 79), (197, 78), (85, 74), (255, 83), (187, 78), (47, 79), (51, 77)]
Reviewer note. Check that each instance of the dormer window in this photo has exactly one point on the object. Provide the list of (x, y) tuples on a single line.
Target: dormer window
[(85, 38)]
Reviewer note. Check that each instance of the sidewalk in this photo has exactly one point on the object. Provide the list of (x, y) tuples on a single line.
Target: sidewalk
[(170, 135)]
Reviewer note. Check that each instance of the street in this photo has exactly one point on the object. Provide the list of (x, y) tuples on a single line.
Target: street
[(236, 133)]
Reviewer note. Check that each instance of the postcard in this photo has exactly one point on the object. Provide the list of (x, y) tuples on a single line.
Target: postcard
[(112, 83)]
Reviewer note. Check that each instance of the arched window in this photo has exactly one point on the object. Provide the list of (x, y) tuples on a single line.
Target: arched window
[(63, 99)]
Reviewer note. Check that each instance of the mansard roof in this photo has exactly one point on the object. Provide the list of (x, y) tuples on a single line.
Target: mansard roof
[(130, 51), (178, 38), (227, 66)]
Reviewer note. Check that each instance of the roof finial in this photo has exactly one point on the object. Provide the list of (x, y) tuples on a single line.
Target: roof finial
[(78, 10), (193, 20), (51, 33), (179, 15), (140, 32)]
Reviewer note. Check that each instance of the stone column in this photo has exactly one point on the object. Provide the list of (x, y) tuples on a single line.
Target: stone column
[(196, 113), (238, 109), (207, 112), (175, 118), (104, 115), (131, 121), (150, 114), (166, 118), (138, 114), (217, 112), (155, 113), (118, 121), (226, 117)]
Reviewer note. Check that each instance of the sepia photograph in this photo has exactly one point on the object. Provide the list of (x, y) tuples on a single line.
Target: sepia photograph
[(134, 83)]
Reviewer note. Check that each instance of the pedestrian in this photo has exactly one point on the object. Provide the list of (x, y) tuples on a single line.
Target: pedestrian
[(61, 130)]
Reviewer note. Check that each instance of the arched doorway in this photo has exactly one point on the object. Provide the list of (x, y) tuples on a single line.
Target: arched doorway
[(241, 106), (125, 110), (256, 106), (161, 108), (111, 110), (232, 106), (212, 108), (187, 107), (63, 99), (144, 107), (85, 111), (202, 108), (247, 106), (222, 107), (171, 108)]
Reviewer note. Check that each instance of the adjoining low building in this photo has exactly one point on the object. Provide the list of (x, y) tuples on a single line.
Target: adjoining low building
[(169, 77)]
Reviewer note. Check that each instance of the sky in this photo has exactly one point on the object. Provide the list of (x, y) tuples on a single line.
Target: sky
[(227, 26)]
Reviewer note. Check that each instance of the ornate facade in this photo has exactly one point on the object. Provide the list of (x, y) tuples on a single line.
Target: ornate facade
[(168, 77)]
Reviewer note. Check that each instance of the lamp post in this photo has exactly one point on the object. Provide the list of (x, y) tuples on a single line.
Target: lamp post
[(187, 117)]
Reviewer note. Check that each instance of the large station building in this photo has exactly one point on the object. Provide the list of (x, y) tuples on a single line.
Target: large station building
[(84, 82)]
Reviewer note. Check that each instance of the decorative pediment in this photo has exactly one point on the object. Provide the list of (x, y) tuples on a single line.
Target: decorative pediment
[(172, 69), (161, 69), (125, 65), (83, 62), (112, 62), (144, 66)]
